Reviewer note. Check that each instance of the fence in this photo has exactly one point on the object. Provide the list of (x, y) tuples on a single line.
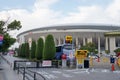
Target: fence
[(29, 74), (35, 64), (24, 67)]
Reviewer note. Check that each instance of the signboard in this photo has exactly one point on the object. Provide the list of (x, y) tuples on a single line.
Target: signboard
[(28, 63), (112, 60), (81, 54), (68, 39), (47, 63), (71, 55)]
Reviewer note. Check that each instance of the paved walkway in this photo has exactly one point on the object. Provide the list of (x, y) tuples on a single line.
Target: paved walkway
[(7, 72)]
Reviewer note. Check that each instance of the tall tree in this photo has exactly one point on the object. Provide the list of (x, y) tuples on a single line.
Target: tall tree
[(27, 51), (49, 48), (33, 49), (5, 27), (39, 48)]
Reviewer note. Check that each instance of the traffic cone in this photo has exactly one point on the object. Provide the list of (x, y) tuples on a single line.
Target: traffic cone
[(112, 67)]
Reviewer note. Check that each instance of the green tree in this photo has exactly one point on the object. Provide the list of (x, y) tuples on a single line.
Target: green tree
[(5, 28), (6, 42), (27, 50), (49, 48), (23, 50), (90, 47), (33, 49), (19, 51), (39, 49)]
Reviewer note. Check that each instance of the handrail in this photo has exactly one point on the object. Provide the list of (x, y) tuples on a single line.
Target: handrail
[(35, 73), (5, 60), (38, 74)]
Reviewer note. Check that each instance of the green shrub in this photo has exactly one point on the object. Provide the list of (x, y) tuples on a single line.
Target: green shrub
[(39, 49), (27, 50), (49, 48), (33, 49)]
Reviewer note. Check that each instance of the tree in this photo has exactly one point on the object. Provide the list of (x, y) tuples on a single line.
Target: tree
[(19, 51), (23, 50), (90, 47), (33, 49), (5, 28), (39, 49), (49, 48), (27, 50), (117, 51), (6, 42)]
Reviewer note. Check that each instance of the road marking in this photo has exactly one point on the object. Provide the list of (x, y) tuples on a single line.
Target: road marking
[(56, 72), (66, 75), (105, 70), (116, 71), (48, 75)]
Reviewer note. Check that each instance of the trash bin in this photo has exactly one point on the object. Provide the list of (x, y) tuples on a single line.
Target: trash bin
[(86, 63)]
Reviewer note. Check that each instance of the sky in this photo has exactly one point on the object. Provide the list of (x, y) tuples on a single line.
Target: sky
[(41, 13)]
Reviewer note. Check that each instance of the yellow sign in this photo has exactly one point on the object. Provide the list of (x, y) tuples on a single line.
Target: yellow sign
[(80, 61), (69, 38), (81, 54)]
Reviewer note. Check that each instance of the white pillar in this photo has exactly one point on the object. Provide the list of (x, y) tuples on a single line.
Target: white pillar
[(84, 43), (29, 42), (59, 41), (112, 44), (99, 46), (89, 40), (76, 41), (106, 43)]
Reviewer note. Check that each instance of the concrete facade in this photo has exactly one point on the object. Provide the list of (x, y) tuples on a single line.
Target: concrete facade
[(81, 34)]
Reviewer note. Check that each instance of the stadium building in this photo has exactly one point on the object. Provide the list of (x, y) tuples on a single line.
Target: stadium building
[(106, 37)]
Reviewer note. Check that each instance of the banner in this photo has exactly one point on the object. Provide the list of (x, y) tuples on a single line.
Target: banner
[(1, 37)]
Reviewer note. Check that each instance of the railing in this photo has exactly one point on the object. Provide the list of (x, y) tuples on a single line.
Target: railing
[(34, 64), (25, 67), (29, 74), (5, 59)]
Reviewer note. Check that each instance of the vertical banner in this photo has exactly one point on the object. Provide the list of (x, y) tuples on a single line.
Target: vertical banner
[(1, 39)]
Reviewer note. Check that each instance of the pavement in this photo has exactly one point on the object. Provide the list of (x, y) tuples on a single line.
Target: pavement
[(6, 70)]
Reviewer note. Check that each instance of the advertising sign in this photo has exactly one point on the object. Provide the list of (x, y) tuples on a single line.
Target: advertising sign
[(47, 63)]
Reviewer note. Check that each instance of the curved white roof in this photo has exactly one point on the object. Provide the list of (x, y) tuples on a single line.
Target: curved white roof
[(75, 27)]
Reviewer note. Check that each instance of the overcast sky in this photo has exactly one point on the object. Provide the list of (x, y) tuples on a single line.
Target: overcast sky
[(41, 13)]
